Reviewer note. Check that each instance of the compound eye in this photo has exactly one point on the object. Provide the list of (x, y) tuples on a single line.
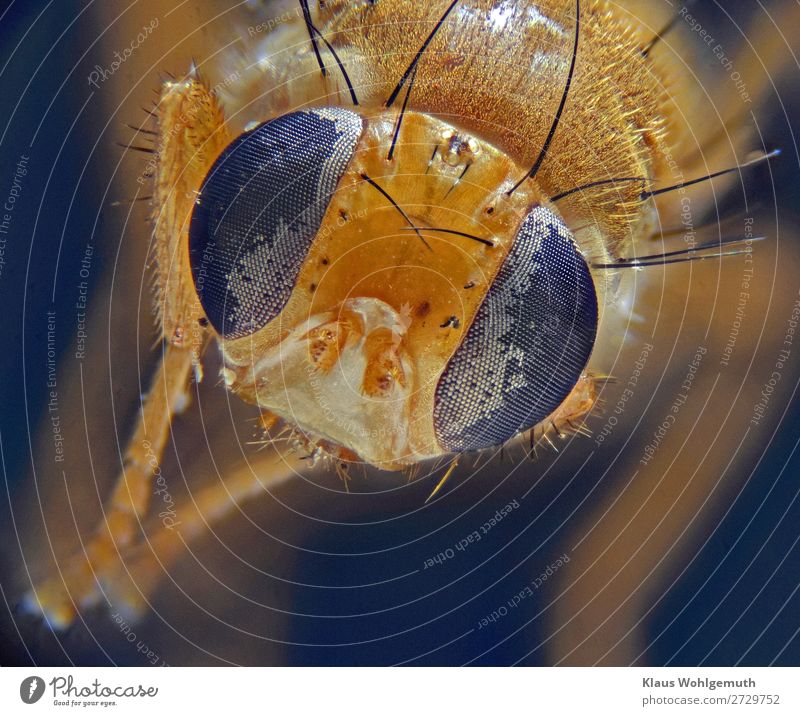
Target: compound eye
[(258, 211), (527, 346)]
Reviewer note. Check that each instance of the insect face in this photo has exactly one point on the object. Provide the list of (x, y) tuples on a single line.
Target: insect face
[(401, 222), (393, 309)]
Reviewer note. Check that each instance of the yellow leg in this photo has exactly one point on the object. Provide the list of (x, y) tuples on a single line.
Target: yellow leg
[(79, 583), (140, 567)]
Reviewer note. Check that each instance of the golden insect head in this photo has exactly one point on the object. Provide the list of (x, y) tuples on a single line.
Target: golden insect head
[(408, 228)]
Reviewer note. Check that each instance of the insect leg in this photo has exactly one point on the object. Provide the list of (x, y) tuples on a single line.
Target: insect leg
[(83, 578), (141, 566)]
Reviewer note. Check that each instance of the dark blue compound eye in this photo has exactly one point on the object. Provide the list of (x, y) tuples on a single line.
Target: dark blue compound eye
[(527, 346), (258, 211)]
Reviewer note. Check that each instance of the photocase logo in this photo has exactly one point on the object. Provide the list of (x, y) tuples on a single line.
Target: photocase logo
[(31, 689)]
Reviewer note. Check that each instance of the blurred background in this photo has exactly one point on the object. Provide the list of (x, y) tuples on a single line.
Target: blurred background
[(603, 555)]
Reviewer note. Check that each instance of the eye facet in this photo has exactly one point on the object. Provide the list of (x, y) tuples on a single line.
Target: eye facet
[(528, 344), (258, 212)]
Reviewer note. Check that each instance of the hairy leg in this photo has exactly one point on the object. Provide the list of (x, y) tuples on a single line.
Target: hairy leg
[(190, 134)]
